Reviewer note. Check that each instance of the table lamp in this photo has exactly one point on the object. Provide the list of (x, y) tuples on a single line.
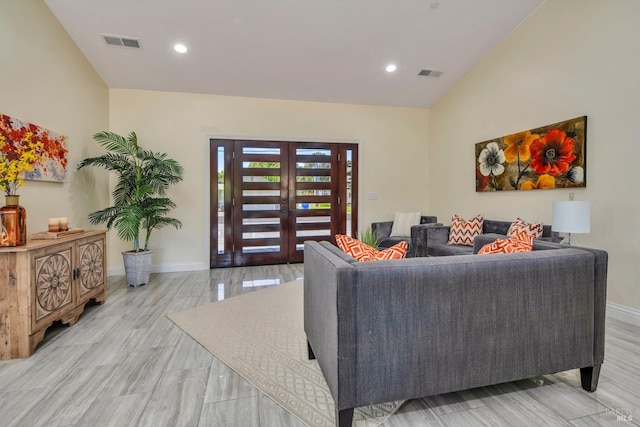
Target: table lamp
[(571, 216)]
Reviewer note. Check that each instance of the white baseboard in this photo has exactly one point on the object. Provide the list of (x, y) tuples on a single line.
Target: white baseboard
[(164, 268), (623, 313)]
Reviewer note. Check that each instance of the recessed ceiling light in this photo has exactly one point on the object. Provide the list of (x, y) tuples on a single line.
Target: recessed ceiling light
[(391, 68), (180, 48)]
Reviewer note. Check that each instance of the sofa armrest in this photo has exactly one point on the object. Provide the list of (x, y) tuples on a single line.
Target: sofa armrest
[(438, 235), (382, 229), (419, 238), (329, 322)]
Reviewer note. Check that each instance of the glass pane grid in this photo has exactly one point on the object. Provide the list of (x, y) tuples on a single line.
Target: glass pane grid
[(313, 233), (313, 219), (257, 178), (262, 165), (261, 150), (313, 151)]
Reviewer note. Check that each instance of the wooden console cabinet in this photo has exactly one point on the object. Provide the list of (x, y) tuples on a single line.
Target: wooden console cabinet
[(45, 281)]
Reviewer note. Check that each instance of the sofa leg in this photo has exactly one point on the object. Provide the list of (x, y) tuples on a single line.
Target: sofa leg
[(344, 418), (589, 377), (310, 351)]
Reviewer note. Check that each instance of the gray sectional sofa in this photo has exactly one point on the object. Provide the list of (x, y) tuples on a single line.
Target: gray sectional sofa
[(384, 331), (432, 241), (382, 231)]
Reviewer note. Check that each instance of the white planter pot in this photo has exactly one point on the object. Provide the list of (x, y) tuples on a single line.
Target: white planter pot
[(137, 266)]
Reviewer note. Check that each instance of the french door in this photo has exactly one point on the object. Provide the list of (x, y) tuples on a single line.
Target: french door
[(268, 197)]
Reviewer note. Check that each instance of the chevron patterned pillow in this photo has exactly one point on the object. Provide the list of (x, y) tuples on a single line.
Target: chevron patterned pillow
[(463, 232), (534, 228)]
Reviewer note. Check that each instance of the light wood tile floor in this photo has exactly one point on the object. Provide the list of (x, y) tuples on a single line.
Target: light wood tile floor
[(125, 364)]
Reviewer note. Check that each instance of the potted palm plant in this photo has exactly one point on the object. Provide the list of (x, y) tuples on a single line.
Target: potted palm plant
[(139, 197)]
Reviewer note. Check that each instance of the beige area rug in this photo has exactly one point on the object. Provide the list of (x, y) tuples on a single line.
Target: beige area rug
[(260, 335)]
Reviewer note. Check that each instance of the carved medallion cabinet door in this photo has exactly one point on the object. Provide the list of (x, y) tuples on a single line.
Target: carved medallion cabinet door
[(90, 271), (53, 284)]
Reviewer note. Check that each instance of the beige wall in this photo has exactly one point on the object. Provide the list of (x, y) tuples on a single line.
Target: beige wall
[(44, 79), (392, 149), (570, 58)]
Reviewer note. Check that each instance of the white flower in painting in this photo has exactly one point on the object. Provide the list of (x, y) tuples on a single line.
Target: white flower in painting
[(491, 160), (576, 175)]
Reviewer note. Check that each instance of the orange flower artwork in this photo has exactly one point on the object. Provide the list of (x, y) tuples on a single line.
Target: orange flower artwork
[(518, 146), (544, 181), (552, 156), (553, 153), (28, 151)]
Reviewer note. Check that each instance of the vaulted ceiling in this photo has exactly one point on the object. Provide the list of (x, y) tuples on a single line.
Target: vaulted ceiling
[(312, 50)]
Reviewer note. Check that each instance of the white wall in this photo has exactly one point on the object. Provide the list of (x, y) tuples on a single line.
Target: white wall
[(570, 58), (45, 80), (392, 150)]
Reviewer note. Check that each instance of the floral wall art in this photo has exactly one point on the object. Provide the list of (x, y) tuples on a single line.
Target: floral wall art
[(552, 156), (28, 151)]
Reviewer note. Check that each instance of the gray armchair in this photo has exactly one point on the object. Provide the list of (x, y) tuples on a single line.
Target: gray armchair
[(382, 230)]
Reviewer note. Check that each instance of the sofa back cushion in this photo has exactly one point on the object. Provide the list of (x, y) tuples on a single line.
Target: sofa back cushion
[(497, 227), (502, 227)]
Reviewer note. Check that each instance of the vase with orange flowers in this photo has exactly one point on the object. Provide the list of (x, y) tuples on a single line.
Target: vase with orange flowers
[(17, 156)]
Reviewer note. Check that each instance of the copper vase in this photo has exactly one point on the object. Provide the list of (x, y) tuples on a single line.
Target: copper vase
[(13, 223)]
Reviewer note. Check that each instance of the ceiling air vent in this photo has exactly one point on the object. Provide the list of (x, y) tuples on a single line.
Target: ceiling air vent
[(430, 73), (121, 41)]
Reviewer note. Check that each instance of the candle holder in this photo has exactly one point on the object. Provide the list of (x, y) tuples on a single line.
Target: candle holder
[(54, 225)]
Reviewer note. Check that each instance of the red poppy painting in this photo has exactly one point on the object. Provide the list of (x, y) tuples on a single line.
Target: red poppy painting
[(552, 156)]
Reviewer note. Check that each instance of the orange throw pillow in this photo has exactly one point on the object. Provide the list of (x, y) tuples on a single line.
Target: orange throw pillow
[(363, 252), (524, 237), (463, 232), (522, 242), (354, 247), (397, 251)]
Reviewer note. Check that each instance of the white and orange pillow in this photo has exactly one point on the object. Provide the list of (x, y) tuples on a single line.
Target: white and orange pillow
[(521, 242), (519, 225), (463, 232), (363, 252)]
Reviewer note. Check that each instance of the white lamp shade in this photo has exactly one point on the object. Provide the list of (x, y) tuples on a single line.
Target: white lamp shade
[(571, 216)]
